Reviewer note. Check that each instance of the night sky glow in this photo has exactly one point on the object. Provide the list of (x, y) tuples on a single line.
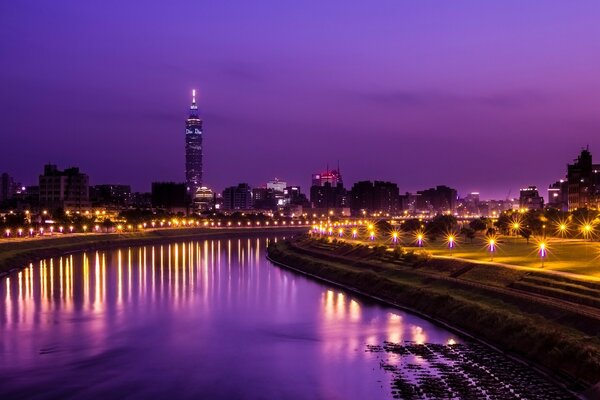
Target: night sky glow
[(479, 95)]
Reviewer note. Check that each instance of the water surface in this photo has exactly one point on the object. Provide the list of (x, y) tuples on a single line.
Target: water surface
[(198, 319), (213, 319)]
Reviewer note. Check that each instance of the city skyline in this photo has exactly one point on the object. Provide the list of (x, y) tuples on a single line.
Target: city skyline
[(471, 112)]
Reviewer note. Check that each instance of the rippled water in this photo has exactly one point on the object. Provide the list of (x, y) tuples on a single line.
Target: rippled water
[(207, 319), (213, 319)]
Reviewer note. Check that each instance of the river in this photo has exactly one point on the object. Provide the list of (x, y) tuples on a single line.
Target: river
[(213, 319)]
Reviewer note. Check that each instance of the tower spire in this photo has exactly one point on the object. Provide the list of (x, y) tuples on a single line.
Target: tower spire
[(193, 106)]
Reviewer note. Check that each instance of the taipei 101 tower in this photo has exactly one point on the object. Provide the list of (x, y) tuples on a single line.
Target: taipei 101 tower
[(193, 148)]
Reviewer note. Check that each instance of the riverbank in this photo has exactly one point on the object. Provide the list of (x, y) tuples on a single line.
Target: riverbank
[(17, 254), (558, 335)]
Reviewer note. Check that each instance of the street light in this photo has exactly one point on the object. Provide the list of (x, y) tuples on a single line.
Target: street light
[(420, 238), (543, 250), (451, 241), (491, 245)]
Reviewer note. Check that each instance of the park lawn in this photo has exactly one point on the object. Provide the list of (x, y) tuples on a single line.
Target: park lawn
[(573, 256), (566, 255)]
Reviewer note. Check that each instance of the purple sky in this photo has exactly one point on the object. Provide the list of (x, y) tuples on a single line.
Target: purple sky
[(483, 96)]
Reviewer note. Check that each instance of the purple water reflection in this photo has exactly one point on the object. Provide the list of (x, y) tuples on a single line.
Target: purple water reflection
[(207, 319)]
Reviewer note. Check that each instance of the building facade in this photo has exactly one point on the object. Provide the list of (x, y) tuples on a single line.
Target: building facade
[(237, 197), (68, 189), (584, 182), (530, 199), (558, 195), (440, 199), (193, 149)]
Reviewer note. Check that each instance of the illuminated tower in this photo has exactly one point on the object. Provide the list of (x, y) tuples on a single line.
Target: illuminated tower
[(193, 148)]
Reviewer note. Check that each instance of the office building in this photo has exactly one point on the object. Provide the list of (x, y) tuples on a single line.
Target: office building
[(193, 148), (558, 195), (530, 199), (68, 189), (583, 178), (237, 197)]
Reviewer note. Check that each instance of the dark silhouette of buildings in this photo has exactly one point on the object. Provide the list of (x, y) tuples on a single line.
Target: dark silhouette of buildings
[(529, 198), (169, 195), (584, 182), (66, 189), (327, 190), (118, 196), (558, 195), (237, 197), (375, 197), (437, 200), (7, 187)]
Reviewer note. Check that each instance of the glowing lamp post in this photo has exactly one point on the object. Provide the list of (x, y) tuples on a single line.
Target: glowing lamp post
[(7, 233), (354, 233), (31, 232), (20, 232), (341, 232), (543, 250), (71, 228), (420, 238), (395, 237), (60, 229), (451, 242), (515, 227), (492, 247), (372, 235), (587, 230)]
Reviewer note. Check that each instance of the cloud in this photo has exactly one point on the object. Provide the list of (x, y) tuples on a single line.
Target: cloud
[(406, 98)]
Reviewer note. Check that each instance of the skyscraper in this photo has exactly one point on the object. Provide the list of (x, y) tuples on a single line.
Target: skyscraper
[(193, 148)]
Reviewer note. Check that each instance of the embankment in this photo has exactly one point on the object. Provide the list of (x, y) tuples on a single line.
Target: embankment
[(18, 253), (553, 338)]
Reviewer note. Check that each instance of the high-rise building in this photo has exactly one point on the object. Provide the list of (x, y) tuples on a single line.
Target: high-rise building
[(437, 200), (237, 197), (66, 189), (193, 148), (584, 182), (558, 195), (529, 198), (110, 195), (375, 196), (327, 190), (7, 187)]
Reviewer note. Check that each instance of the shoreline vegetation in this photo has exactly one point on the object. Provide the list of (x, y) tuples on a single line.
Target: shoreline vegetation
[(17, 254), (550, 321)]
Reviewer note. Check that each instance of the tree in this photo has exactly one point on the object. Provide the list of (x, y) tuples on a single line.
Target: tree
[(526, 233), (468, 232), (478, 224)]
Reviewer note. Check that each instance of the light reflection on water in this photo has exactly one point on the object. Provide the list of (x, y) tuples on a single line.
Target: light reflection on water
[(207, 318)]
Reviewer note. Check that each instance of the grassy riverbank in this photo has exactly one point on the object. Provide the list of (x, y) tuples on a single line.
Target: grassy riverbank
[(16, 254), (553, 334)]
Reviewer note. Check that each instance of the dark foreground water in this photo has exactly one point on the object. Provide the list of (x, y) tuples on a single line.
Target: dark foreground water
[(214, 320)]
